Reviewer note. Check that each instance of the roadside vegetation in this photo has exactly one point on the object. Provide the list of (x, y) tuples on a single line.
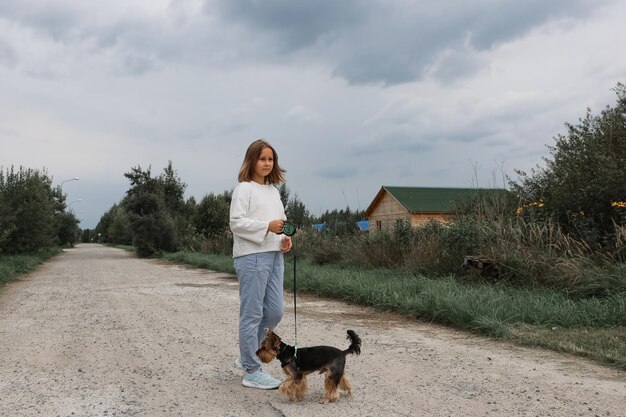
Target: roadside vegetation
[(557, 240), (12, 266), (34, 221), (592, 326)]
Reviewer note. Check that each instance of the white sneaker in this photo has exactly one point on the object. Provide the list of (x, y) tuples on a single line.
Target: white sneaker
[(260, 379), (238, 363)]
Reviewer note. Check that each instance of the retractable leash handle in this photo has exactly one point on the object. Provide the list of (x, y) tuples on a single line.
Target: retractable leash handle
[(288, 229)]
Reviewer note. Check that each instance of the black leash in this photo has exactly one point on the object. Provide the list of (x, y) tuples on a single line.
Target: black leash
[(295, 311), (290, 230)]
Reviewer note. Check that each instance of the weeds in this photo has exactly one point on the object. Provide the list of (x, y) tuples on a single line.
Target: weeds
[(12, 266)]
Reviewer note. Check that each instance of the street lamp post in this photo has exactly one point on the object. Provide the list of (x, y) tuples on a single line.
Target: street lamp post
[(71, 179), (61, 187)]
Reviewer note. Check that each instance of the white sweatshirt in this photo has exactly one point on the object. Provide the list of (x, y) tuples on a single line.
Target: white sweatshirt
[(252, 208)]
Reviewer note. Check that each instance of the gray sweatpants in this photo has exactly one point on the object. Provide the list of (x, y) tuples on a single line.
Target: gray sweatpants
[(261, 303)]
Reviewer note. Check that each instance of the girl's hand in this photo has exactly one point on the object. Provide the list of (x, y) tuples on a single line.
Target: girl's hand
[(276, 226), (286, 244)]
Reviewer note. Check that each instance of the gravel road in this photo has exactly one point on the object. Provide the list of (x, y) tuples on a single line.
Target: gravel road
[(98, 332)]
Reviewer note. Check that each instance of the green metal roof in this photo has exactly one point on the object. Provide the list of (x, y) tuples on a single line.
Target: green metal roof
[(423, 199)]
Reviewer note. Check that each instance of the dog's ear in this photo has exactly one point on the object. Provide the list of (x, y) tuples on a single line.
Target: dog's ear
[(276, 343)]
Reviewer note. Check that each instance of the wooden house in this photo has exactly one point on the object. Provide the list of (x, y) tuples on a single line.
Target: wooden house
[(416, 205)]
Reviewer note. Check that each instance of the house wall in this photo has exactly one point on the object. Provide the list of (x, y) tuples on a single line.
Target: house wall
[(388, 212), (418, 219)]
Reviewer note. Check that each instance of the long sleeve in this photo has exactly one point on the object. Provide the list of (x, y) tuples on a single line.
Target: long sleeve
[(242, 225), (252, 207)]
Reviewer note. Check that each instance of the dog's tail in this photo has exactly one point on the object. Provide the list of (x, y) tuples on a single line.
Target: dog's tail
[(355, 343)]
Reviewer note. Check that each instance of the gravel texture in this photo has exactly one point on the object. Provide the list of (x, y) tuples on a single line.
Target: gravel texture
[(98, 332)]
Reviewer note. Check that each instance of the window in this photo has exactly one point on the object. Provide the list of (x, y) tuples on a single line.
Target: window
[(379, 225)]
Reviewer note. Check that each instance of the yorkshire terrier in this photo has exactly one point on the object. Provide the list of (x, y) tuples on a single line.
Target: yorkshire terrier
[(297, 363)]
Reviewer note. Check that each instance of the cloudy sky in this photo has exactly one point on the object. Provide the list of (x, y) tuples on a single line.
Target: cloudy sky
[(352, 94)]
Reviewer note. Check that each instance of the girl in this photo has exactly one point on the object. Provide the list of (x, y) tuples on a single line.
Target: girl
[(257, 218)]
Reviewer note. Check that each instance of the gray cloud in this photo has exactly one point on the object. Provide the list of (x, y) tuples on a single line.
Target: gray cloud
[(364, 42), (8, 57), (55, 20), (455, 64), (9, 133), (394, 141), (296, 24), (337, 172), (389, 43), (470, 133)]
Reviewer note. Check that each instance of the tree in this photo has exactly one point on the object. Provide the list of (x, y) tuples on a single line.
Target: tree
[(284, 194), (340, 222), (87, 236), (212, 215), (119, 230), (151, 223), (152, 228), (586, 176), (172, 188), (68, 230), (297, 213), (27, 210), (101, 232)]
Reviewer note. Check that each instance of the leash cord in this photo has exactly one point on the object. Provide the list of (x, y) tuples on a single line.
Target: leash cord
[(295, 311)]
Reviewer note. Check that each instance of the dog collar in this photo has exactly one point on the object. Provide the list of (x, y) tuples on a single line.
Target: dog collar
[(282, 349)]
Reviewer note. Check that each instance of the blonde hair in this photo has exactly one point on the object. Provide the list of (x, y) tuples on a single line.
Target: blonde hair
[(276, 176)]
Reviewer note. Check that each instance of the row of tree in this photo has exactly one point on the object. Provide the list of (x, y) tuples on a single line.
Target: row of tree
[(153, 216), (33, 213)]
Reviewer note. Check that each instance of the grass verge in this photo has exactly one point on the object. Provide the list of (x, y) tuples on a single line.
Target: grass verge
[(12, 266), (590, 327), (214, 262)]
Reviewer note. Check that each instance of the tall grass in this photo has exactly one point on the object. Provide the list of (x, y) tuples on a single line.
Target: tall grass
[(464, 305), (528, 254), (12, 266)]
